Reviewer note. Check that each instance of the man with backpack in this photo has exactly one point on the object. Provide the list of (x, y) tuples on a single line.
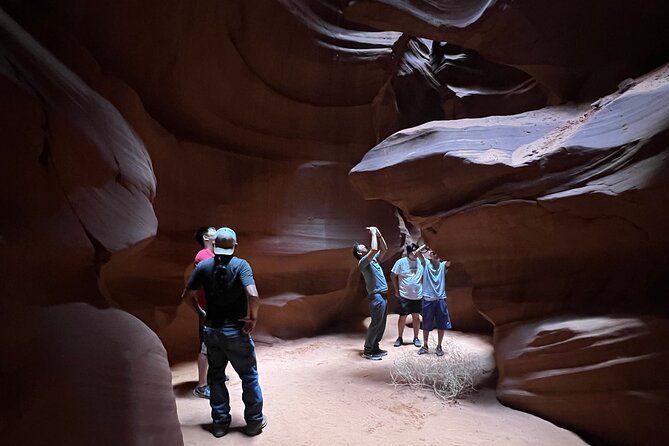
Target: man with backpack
[(230, 316)]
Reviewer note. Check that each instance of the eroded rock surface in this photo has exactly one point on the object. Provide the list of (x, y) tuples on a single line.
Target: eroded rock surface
[(266, 130), (558, 218), (78, 187), (80, 375), (606, 375), (575, 49), (157, 117)]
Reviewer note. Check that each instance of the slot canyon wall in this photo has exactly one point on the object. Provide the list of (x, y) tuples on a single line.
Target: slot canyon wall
[(558, 216), (126, 125)]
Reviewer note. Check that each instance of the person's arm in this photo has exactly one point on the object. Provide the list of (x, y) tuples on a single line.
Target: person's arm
[(373, 247), (394, 281), (446, 263), (191, 300), (383, 246), (252, 298), (419, 254), (252, 309), (190, 292), (395, 271)]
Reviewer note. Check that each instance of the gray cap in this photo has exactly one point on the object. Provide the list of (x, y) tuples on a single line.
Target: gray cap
[(225, 242)]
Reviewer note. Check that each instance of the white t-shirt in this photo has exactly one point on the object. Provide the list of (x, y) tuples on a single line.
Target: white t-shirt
[(434, 281), (410, 275)]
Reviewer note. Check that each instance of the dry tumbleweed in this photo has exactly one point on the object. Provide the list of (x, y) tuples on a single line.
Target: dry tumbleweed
[(451, 376)]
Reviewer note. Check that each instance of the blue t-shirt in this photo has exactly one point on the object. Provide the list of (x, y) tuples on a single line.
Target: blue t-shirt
[(224, 281), (373, 274), (434, 281)]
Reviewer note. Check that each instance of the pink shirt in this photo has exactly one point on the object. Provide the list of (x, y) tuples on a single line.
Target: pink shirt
[(203, 254)]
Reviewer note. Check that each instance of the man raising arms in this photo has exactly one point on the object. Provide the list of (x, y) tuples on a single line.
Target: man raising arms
[(377, 289), (407, 279), (434, 301)]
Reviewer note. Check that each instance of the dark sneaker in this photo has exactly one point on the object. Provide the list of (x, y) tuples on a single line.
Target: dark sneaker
[(218, 430), (202, 391), (253, 429), (380, 352), (372, 356), (417, 342), (422, 350), (439, 351), (398, 342)]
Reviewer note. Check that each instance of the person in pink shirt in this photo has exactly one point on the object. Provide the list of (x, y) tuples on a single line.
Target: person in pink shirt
[(205, 238)]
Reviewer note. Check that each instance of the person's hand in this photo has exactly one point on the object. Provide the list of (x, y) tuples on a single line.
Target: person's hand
[(249, 325), (372, 229), (448, 263)]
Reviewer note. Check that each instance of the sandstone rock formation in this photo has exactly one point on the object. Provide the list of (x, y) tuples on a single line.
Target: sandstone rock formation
[(275, 126), (575, 49), (140, 121), (78, 186), (557, 217), (80, 375)]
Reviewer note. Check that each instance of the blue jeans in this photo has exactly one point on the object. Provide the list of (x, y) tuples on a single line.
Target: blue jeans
[(377, 310), (230, 344)]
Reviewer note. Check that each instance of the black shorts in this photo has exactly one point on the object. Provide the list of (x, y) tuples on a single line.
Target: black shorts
[(408, 306)]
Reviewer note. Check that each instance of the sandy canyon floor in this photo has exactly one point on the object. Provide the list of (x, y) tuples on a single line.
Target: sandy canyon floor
[(320, 391)]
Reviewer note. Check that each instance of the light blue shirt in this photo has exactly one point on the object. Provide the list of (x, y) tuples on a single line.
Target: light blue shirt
[(373, 274), (434, 281)]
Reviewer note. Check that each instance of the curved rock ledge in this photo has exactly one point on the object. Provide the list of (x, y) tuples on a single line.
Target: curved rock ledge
[(558, 218)]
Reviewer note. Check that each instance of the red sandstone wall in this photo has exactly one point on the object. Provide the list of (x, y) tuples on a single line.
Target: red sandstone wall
[(143, 120), (557, 215), (558, 219), (261, 141), (77, 187)]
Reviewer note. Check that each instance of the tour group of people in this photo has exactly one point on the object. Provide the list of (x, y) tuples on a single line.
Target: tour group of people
[(419, 284), (222, 292)]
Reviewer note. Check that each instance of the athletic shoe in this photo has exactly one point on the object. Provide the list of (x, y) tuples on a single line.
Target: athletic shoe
[(202, 391), (380, 352), (439, 351), (255, 428), (372, 356), (218, 430), (398, 342), (417, 342), (423, 350)]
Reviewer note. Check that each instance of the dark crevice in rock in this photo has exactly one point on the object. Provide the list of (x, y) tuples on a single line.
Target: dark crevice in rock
[(45, 155)]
